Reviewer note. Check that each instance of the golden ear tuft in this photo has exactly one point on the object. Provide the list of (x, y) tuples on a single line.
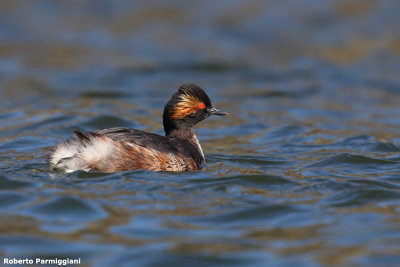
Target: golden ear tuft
[(188, 105)]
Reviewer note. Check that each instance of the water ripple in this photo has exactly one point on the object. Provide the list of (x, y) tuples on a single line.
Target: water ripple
[(361, 196), (7, 183), (356, 161), (70, 209)]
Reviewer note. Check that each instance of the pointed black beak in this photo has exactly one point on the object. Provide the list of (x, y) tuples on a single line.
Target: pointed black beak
[(214, 111)]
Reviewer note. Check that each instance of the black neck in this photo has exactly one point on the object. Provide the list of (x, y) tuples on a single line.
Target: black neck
[(183, 130), (177, 129)]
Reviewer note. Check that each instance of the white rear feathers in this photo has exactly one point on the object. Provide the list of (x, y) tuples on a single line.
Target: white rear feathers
[(76, 154)]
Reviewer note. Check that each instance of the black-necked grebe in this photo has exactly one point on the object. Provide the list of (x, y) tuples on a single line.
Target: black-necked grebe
[(123, 149)]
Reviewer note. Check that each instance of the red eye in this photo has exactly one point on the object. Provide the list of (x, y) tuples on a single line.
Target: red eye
[(202, 105)]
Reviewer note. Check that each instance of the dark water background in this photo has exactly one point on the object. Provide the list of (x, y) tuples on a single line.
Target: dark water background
[(304, 172)]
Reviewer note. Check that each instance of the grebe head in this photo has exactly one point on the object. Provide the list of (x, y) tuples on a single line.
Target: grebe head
[(188, 106)]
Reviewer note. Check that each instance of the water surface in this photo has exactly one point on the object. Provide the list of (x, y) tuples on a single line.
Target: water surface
[(304, 171)]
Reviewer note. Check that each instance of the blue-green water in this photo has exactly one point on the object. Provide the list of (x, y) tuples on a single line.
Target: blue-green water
[(304, 171)]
